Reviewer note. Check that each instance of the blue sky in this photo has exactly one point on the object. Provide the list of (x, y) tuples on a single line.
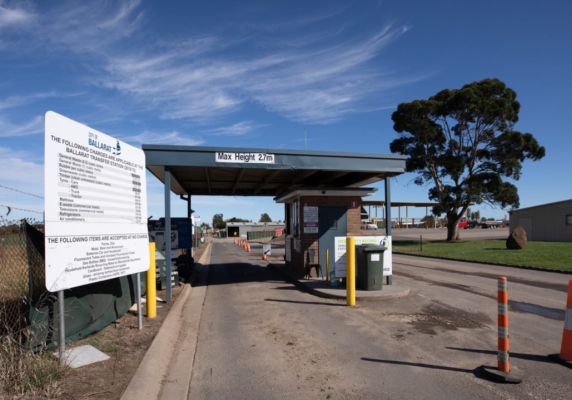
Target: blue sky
[(257, 73)]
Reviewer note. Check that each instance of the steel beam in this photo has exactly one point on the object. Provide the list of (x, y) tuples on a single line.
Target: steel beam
[(208, 179), (168, 232), (238, 177), (268, 178)]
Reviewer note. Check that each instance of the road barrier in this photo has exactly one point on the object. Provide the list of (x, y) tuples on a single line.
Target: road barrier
[(565, 356), (503, 371)]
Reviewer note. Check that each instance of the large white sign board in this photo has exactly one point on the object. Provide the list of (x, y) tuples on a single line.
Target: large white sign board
[(340, 253), (96, 206)]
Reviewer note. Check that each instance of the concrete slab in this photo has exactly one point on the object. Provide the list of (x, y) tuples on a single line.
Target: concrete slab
[(82, 356), (321, 288)]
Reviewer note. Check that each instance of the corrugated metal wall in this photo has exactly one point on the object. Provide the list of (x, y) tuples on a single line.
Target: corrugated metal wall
[(546, 223)]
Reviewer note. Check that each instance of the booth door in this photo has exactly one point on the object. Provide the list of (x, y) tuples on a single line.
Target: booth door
[(332, 222)]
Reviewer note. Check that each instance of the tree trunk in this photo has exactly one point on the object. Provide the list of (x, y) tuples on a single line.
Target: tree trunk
[(453, 232)]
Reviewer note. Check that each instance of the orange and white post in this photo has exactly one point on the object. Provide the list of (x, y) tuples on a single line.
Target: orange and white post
[(565, 356), (503, 344), (503, 372)]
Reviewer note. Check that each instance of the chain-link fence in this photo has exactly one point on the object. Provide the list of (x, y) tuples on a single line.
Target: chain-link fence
[(21, 272)]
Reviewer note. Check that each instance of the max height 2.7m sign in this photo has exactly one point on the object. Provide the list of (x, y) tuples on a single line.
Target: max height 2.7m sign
[(96, 206)]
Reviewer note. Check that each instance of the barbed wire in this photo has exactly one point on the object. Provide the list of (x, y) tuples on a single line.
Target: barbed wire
[(19, 191), (20, 209)]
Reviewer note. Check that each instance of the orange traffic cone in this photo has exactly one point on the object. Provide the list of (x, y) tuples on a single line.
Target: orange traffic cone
[(565, 356), (264, 257), (248, 248)]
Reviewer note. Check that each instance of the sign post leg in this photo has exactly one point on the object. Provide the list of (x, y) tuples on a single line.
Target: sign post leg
[(138, 294), (62, 327)]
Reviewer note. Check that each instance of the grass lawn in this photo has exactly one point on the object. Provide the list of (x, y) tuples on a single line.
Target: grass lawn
[(554, 255)]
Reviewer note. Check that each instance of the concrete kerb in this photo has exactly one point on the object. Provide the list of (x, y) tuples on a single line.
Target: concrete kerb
[(147, 381), (396, 291)]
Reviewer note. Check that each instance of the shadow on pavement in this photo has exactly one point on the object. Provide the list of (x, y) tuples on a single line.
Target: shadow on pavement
[(521, 356), (306, 302), (477, 372), (428, 366), (231, 273), (286, 288)]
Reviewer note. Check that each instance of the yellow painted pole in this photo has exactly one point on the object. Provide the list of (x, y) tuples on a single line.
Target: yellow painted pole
[(327, 264), (351, 271), (151, 284)]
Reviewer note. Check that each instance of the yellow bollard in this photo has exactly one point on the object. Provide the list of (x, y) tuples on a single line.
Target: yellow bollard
[(151, 284), (351, 271), (327, 264)]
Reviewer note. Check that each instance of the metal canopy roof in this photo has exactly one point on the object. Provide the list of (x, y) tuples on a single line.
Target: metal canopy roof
[(195, 171)]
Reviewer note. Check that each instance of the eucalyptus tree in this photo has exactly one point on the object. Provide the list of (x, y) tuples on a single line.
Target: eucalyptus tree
[(463, 144)]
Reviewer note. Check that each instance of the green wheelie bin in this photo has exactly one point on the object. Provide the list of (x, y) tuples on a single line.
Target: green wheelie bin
[(369, 265)]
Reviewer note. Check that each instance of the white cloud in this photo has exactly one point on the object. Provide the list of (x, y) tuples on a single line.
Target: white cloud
[(22, 100), (238, 129), (315, 76), (311, 84), (89, 26), (8, 129), (13, 14), (172, 138)]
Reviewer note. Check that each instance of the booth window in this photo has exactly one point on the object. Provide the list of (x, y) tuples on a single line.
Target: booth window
[(295, 218)]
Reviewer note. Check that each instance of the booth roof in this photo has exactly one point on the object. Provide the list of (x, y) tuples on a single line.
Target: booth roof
[(196, 171)]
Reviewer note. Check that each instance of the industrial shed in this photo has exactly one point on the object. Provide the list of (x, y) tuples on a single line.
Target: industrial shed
[(240, 229), (545, 223)]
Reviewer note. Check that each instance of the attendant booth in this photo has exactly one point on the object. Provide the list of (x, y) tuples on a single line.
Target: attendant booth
[(321, 190), (314, 219)]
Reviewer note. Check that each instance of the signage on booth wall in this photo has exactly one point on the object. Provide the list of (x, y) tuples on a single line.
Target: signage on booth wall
[(245, 158), (96, 206), (311, 217), (340, 253)]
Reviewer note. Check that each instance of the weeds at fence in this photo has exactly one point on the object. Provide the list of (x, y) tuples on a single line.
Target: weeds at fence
[(27, 368)]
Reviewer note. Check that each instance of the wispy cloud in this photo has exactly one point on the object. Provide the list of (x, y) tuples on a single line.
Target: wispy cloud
[(30, 176), (9, 129), (15, 14), (320, 77), (85, 27), (238, 129), (90, 26), (172, 138), (22, 100), (312, 84)]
